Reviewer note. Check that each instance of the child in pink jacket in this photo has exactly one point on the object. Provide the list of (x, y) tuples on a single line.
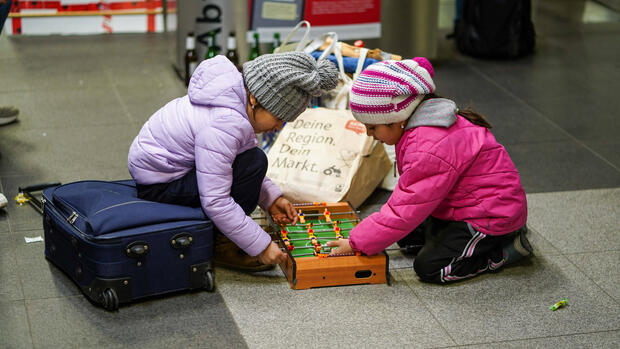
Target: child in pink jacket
[(459, 196)]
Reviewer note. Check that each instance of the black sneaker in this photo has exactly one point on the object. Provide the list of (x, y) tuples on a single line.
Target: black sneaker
[(518, 248)]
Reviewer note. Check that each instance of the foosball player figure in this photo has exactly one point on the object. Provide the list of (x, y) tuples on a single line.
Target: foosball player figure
[(314, 241), (309, 228), (302, 219), (287, 243), (327, 215), (317, 248), (318, 251), (338, 233)]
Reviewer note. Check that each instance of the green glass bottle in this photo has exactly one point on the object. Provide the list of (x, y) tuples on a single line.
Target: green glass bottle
[(276, 42), (212, 49), (232, 50), (254, 52)]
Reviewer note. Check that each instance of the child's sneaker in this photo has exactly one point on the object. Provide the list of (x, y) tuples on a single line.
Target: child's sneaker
[(518, 248), (3, 201), (8, 114), (229, 255)]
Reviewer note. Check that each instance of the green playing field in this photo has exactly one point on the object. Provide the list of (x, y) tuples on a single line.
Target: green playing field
[(323, 231)]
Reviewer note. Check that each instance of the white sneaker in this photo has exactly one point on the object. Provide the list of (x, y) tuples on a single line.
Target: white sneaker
[(8, 114), (3, 201)]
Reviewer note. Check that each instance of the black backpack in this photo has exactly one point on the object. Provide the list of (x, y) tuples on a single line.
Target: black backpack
[(495, 28)]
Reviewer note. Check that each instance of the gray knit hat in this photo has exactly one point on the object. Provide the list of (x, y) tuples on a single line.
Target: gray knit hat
[(283, 82)]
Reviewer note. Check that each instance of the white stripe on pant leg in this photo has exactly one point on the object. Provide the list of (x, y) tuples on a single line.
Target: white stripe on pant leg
[(474, 240), (467, 252)]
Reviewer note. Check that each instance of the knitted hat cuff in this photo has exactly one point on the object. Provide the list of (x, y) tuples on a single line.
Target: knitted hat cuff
[(385, 117), (283, 83)]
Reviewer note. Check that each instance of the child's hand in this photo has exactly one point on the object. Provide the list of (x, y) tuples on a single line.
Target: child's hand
[(272, 255), (283, 212), (343, 247)]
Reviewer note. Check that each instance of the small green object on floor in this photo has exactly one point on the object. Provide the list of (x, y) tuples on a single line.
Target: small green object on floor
[(558, 305)]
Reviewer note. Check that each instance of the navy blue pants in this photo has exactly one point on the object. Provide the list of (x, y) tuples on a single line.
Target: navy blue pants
[(451, 251), (249, 169), (4, 13)]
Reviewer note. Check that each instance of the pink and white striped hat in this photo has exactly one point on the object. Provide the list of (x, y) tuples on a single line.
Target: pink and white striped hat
[(389, 91)]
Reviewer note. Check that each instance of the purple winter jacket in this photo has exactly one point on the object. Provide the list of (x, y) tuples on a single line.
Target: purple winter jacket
[(205, 129), (459, 173)]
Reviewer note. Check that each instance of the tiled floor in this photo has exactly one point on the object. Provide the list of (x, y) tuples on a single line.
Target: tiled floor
[(83, 99)]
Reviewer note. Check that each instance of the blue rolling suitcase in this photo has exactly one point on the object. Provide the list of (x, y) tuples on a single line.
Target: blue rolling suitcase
[(118, 248)]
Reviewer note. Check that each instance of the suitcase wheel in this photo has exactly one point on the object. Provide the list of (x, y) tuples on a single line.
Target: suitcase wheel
[(110, 299), (209, 281)]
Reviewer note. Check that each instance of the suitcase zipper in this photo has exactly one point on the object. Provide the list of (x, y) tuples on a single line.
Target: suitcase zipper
[(71, 219), (52, 209)]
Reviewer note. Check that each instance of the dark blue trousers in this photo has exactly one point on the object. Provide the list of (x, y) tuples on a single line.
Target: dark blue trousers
[(249, 169), (4, 13)]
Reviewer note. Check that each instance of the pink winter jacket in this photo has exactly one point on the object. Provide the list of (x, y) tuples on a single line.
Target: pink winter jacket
[(458, 173), (205, 129)]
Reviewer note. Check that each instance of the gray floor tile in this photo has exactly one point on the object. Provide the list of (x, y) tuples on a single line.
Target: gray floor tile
[(10, 284), (602, 268), (62, 108), (530, 79), (606, 339), (540, 244), (14, 327), (141, 103), (53, 73), (607, 149), (195, 320), (145, 73), (560, 166), (577, 221), (399, 260), (515, 123), (514, 303), (572, 115), (53, 46), (39, 277), (456, 81), (349, 316), (71, 149)]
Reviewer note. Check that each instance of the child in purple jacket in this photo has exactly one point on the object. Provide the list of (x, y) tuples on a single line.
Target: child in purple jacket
[(459, 196), (201, 149)]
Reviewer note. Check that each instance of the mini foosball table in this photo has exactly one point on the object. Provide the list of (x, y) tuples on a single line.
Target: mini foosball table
[(309, 263)]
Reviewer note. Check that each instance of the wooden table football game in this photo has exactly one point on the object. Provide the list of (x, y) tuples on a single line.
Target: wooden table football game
[(308, 264)]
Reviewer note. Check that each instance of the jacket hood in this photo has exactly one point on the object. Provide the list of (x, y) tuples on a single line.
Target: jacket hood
[(434, 112), (217, 83)]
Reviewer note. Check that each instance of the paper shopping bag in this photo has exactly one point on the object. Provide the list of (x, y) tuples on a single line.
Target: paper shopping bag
[(325, 155)]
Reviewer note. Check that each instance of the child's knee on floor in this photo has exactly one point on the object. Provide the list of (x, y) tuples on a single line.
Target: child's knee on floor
[(425, 266)]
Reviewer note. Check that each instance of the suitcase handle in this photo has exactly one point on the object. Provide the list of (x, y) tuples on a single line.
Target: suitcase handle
[(137, 249), (181, 240)]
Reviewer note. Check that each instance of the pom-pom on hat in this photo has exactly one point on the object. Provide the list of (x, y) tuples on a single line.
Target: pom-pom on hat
[(389, 91), (284, 82)]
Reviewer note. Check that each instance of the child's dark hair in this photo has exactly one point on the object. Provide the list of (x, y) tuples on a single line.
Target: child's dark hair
[(467, 113)]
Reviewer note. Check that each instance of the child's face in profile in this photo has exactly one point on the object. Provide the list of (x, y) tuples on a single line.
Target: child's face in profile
[(385, 133), (263, 121)]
